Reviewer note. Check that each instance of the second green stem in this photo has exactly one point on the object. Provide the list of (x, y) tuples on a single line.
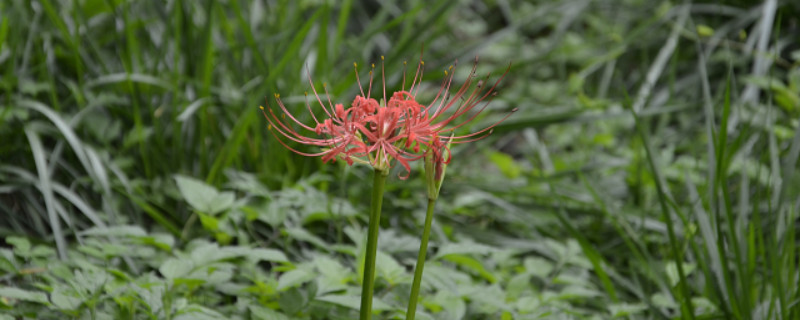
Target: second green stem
[(423, 249)]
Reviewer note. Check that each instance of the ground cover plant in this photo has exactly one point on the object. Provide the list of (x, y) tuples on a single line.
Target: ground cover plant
[(649, 172)]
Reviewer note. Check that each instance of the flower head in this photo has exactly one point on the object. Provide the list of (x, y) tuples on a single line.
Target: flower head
[(365, 132), (400, 129)]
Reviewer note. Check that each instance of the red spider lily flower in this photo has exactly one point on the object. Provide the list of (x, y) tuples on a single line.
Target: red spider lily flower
[(366, 132), (402, 130)]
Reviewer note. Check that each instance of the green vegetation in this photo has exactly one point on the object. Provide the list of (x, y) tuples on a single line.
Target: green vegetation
[(650, 172)]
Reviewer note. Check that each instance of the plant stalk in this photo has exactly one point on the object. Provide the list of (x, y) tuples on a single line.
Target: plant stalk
[(423, 249), (372, 243)]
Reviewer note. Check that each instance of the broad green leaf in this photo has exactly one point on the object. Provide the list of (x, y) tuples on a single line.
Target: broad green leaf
[(66, 298), (136, 136), (464, 248), (292, 300), (196, 312), (506, 164), (42, 251), (471, 264), (203, 197), (301, 234), (264, 254), (619, 310), (162, 241), (578, 292), (261, 313), (353, 302), (8, 262), (672, 271), (538, 266), (22, 246), (294, 278), (450, 305), (527, 304), (118, 231), (389, 269), (175, 268), (24, 295)]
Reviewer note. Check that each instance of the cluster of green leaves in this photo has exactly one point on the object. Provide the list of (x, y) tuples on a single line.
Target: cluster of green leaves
[(649, 174), (126, 273)]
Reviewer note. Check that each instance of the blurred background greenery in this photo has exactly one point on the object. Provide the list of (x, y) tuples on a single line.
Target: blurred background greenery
[(648, 174)]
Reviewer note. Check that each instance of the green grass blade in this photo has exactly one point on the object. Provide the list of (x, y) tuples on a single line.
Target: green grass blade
[(46, 187)]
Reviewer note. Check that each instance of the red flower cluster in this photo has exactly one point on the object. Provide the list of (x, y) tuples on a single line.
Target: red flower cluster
[(399, 130)]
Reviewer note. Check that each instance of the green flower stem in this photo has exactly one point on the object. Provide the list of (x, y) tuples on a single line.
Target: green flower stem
[(423, 249), (372, 243)]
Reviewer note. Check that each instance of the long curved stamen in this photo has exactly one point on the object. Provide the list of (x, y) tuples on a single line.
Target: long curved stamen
[(360, 87), (288, 132), (314, 90), (403, 86), (308, 106), (489, 128), (286, 112), (421, 73), (325, 87), (489, 93), (369, 90), (444, 88), (383, 80)]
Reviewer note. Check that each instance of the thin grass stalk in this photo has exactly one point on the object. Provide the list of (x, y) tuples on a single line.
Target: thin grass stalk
[(687, 308)]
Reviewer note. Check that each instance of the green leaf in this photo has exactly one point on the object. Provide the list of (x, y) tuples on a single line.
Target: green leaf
[(261, 313), (471, 264), (42, 251), (196, 312), (527, 304), (208, 222), (303, 235), (119, 231), (203, 197), (672, 271), (354, 302), (262, 254), (450, 305), (465, 248), (293, 278), (538, 266), (136, 136), (292, 301), (618, 310), (175, 268), (66, 298), (578, 292), (22, 246), (334, 275), (24, 295), (506, 164), (389, 269)]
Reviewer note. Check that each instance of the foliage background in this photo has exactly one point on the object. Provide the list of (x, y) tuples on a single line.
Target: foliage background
[(649, 174)]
